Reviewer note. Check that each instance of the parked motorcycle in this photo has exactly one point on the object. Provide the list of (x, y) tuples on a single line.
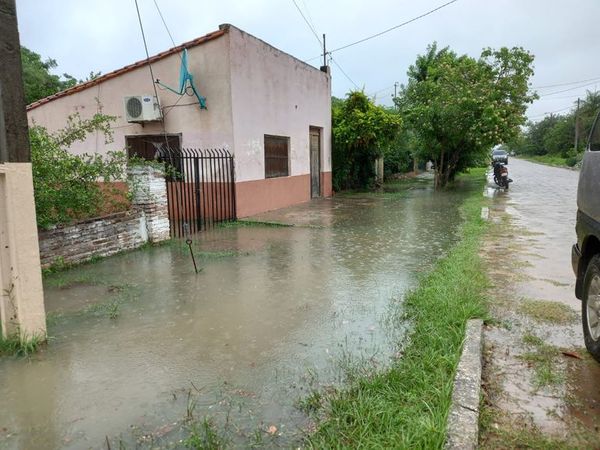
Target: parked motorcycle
[(501, 175)]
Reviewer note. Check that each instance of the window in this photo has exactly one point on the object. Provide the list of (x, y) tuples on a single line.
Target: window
[(276, 156), (148, 146)]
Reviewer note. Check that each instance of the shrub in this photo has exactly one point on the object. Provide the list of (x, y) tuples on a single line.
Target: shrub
[(65, 185)]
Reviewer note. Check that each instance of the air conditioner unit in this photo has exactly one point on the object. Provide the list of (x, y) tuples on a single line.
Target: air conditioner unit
[(142, 108)]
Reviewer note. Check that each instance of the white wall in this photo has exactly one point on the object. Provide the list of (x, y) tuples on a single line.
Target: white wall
[(209, 64), (275, 93), (252, 89)]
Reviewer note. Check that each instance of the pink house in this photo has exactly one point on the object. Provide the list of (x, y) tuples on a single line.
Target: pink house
[(267, 108)]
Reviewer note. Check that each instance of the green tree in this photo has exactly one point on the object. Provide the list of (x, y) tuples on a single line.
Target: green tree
[(460, 107), (361, 133), (39, 82), (65, 185)]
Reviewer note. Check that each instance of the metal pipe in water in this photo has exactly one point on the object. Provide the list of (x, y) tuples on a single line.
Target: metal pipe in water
[(189, 243)]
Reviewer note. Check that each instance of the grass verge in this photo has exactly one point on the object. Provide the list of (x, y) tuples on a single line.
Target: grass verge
[(549, 160), (407, 404)]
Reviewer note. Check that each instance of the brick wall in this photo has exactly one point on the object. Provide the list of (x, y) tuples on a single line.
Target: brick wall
[(147, 221), (103, 236)]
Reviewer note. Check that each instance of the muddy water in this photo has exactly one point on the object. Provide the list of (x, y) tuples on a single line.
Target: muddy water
[(139, 341)]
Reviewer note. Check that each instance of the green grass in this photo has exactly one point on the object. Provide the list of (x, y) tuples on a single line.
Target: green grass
[(550, 160), (407, 404), (15, 346), (543, 359), (548, 311)]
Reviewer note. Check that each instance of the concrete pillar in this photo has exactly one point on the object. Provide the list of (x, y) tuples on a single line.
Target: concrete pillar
[(148, 190), (379, 170), (21, 295)]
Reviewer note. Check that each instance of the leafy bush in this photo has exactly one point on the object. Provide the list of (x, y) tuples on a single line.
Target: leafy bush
[(361, 133), (65, 185)]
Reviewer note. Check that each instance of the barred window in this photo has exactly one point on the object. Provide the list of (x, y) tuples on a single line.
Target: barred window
[(276, 156)]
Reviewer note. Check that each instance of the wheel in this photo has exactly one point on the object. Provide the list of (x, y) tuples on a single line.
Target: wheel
[(590, 307)]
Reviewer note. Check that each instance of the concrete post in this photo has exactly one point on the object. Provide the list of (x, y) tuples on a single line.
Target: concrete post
[(148, 190), (21, 294), (379, 170), (22, 311)]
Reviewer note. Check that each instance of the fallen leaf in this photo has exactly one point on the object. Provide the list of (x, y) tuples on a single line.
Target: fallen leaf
[(571, 355)]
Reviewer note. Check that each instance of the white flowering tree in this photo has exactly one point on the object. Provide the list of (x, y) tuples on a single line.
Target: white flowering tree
[(460, 107)]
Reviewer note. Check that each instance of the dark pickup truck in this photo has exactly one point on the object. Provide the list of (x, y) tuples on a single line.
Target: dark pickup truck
[(586, 253)]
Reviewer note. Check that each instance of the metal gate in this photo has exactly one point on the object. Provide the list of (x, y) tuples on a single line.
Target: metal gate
[(200, 188)]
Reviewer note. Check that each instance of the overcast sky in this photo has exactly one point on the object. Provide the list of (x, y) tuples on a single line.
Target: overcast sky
[(104, 35)]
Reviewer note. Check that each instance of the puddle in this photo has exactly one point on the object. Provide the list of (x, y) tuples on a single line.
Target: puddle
[(584, 393), (273, 311)]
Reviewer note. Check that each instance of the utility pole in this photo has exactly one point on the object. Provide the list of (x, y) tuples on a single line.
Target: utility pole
[(324, 51), (577, 126), (396, 84), (14, 140), (22, 312)]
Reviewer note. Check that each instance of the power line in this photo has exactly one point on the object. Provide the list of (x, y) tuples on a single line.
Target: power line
[(381, 90), (164, 23), (146, 48), (345, 74), (551, 112), (360, 41), (308, 23), (565, 84), (321, 43), (162, 121), (567, 90)]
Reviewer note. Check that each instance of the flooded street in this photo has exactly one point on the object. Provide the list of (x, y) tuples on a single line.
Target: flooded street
[(140, 343), (537, 369)]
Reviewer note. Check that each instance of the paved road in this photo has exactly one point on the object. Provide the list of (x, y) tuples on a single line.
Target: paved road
[(543, 200), (542, 204)]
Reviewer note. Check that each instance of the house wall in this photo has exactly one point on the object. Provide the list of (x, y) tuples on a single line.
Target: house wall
[(277, 94), (252, 89), (209, 64)]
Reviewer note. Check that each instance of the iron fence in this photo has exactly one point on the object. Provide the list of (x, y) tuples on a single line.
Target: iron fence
[(200, 188)]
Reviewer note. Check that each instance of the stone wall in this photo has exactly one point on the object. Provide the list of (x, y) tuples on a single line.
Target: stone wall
[(147, 221), (103, 236), (149, 193)]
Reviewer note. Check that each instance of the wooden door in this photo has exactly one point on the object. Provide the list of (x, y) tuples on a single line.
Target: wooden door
[(315, 162)]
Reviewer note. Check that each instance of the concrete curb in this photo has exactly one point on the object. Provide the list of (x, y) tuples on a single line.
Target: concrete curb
[(463, 419)]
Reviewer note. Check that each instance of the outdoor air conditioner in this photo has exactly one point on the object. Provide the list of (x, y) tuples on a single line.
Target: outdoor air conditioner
[(142, 108)]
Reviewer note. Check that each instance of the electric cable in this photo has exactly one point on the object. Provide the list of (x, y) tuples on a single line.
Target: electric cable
[(321, 44), (344, 73), (162, 120), (565, 84), (308, 23), (360, 41)]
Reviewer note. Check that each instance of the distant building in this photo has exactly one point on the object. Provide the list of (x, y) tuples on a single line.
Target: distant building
[(269, 109)]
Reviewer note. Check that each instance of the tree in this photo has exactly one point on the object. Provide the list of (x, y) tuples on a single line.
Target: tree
[(361, 133), (39, 82), (66, 185), (460, 107)]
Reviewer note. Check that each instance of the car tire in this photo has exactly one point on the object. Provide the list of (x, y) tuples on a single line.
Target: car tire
[(590, 307)]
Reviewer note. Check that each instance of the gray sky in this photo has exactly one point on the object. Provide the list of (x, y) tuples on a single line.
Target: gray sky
[(104, 35)]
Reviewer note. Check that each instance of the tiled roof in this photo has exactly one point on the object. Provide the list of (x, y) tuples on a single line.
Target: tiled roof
[(80, 87)]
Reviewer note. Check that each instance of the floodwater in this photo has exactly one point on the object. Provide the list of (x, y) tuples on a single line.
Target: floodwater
[(140, 343)]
